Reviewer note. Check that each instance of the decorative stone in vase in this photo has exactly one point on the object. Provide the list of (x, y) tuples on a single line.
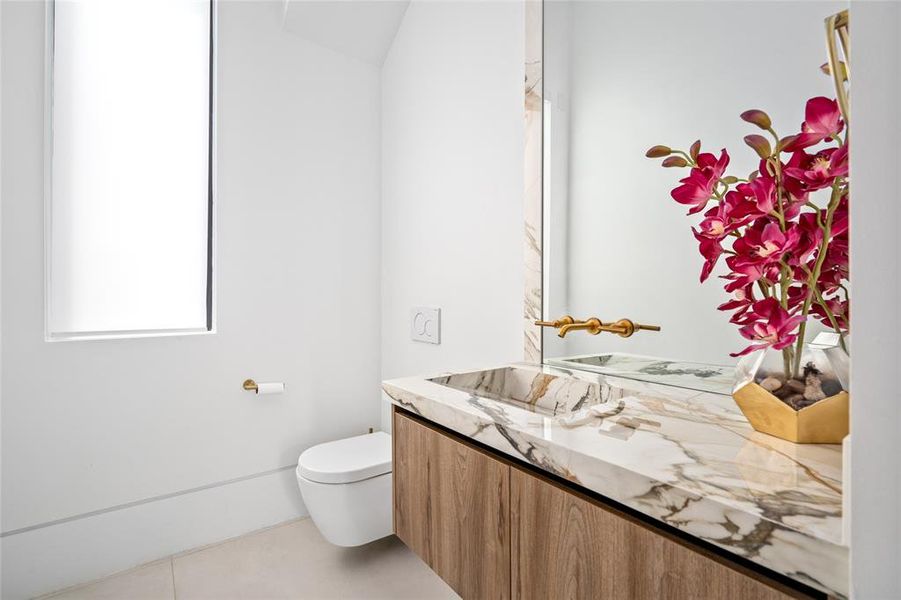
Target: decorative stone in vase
[(810, 406)]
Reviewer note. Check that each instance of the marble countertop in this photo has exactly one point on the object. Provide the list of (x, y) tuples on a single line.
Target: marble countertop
[(687, 458)]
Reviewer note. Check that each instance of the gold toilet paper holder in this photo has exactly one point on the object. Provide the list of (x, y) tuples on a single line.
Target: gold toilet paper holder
[(250, 385)]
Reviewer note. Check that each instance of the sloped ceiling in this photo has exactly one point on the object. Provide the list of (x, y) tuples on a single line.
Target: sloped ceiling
[(363, 29)]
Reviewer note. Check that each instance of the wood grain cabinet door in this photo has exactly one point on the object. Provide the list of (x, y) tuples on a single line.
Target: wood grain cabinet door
[(567, 546), (451, 507)]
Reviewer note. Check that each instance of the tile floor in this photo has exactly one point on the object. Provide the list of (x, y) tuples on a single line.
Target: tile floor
[(287, 561)]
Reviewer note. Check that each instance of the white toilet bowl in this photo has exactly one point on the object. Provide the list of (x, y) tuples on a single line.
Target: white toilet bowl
[(346, 486)]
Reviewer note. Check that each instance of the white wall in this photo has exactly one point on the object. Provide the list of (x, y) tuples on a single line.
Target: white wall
[(646, 73), (452, 185), (875, 484), (91, 426)]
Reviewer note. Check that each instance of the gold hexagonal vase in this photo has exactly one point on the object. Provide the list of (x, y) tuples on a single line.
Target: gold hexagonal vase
[(825, 421)]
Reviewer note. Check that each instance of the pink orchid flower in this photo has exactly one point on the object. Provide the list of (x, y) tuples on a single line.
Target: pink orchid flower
[(771, 326), (840, 311), (797, 192), (741, 277), (836, 265), (710, 249), (738, 209), (809, 238), (830, 281), (763, 191), (819, 170), (725, 217), (835, 268), (747, 202), (714, 224), (822, 119), (840, 218), (742, 274), (765, 245), (697, 189), (740, 303)]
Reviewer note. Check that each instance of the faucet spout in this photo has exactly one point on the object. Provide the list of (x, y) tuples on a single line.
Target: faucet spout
[(592, 326)]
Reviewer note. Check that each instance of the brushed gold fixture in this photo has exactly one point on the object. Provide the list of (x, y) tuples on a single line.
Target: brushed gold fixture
[(623, 328), (564, 320), (250, 385), (840, 70)]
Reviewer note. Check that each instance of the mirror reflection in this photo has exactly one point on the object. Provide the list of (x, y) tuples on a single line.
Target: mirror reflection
[(620, 78)]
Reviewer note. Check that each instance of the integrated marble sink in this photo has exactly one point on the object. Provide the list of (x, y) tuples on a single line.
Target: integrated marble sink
[(544, 393)]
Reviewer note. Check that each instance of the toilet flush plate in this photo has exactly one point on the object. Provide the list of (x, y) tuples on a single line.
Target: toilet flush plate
[(425, 324)]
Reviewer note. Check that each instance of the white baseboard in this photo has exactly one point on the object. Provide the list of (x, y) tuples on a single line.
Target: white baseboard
[(50, 558)]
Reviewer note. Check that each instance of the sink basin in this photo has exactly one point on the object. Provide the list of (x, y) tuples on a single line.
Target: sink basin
[(702, 377), (530, 389)]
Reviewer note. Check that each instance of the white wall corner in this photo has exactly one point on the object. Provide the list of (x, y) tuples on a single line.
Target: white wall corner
[(876, 268)]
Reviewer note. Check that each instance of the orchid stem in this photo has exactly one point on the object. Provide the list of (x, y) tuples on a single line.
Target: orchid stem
[(815, 272), (690, 160), (787, 362), (832, 320)]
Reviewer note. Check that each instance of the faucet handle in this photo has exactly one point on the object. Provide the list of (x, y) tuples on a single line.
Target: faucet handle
[(564, 320), (626, 327)]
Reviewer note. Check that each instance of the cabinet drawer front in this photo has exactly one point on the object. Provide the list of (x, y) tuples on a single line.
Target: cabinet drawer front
[(451, 507), (566, 546)]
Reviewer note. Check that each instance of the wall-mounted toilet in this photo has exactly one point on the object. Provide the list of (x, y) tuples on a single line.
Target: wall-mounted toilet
[(346, 486)]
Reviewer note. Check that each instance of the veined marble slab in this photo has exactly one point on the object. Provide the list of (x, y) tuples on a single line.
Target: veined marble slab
[(718, 379), (686, 458), (533, 129)]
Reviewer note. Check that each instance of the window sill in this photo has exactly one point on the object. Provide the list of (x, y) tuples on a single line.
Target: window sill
[(124, 335)]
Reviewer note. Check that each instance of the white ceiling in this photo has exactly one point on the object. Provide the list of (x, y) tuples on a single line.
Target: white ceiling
[(363, 29)]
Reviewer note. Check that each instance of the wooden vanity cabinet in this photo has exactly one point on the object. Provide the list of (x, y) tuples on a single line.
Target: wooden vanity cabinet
[(565, 545), (451, 507), (492, 529)]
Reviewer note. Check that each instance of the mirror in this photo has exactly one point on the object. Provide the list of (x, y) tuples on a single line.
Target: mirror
[(619, 78)]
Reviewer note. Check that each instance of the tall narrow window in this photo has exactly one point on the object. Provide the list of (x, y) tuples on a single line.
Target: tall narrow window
[(130, 196)]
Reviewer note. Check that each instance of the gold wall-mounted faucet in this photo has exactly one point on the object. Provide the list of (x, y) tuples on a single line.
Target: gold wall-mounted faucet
[(623, 328)]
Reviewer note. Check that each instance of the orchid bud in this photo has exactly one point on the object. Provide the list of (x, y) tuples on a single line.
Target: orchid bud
[(784, 142), (760, 145), (754, 175), (658, 151), (730, 180), (674, 161), (695, 150), (757, 117)]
